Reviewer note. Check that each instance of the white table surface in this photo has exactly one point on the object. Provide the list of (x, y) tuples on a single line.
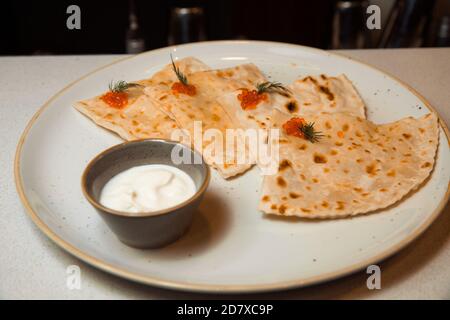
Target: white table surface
[(33, 267)]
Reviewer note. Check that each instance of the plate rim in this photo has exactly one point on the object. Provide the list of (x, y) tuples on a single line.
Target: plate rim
[(213, 288)]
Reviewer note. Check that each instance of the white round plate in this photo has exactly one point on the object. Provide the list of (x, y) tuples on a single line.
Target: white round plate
[(231, 247)]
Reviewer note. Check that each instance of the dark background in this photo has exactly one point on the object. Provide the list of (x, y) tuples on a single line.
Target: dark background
[(39, 27)]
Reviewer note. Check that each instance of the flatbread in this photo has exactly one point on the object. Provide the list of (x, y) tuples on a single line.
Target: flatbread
[(315, 94), (257, 118), (140, 119), (219, 82), (204, 107), (310, 95), (357, 167)]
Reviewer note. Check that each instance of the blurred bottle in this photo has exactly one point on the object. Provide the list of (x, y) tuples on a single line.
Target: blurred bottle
[(349, 25), (186, 25), (442, 38), (134, 40)]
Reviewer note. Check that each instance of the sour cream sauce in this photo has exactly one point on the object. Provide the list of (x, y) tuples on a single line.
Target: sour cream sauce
[(147, 188)]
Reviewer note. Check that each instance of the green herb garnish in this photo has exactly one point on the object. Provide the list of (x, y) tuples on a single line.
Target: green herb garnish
[(121, 86), (271, 87), (181, 77), (310, 133)]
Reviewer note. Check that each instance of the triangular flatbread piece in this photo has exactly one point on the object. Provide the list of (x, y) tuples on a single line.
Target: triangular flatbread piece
[(140, 118), (203, 107), (356, 167)]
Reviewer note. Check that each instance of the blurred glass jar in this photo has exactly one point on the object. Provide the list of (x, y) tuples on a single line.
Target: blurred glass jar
[(442, 38), (134, 40), (186, 25), (349, 25)]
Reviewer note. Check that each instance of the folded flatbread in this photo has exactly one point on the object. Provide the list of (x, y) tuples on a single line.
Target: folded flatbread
[(204, 110), (316, 94), (308, 95), (140, 118), (356, 167)]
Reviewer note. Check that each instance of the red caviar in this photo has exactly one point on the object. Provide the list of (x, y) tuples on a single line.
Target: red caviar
[(116, 100), (188, 89), (293, 127), (250, 98)]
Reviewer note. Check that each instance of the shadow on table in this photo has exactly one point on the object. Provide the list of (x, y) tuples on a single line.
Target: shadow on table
[(209, 227)]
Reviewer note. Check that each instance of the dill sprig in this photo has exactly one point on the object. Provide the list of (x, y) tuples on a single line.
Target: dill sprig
[(310, 133), (121, 86), (271, 87), (181, 77)]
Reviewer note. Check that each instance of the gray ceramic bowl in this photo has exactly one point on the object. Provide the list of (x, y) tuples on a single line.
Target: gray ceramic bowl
[(152, 229)]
